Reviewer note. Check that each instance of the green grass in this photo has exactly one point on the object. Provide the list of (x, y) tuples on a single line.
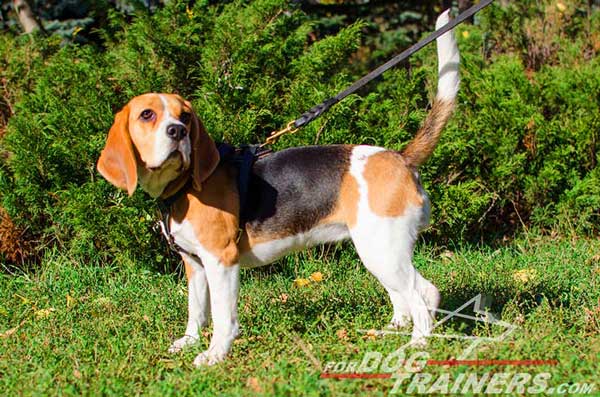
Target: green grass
[(96, 328)]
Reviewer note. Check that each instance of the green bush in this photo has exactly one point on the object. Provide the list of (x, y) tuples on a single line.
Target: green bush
[(519, 150), (239, 64)]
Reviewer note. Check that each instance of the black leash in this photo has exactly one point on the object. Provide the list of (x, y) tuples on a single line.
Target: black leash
[(243, 158), (321, 108)]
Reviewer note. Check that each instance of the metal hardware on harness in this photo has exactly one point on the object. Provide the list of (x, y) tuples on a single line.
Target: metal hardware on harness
[(164, 225), (318, 110), (289, 129)]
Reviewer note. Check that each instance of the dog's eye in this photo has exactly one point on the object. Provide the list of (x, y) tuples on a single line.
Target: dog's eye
[(147, 115), (185, 117)]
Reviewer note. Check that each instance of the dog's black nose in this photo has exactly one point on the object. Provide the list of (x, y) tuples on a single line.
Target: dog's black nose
[(176, 131)]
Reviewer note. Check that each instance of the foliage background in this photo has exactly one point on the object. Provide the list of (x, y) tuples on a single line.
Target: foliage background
[(519, 154), (89, 299)]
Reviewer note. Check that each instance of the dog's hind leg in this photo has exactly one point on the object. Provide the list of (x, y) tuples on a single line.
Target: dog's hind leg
[(401, 317), (390, 211), (385, 247)]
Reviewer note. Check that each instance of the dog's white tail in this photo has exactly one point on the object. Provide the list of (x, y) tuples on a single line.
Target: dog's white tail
[(421, 147)]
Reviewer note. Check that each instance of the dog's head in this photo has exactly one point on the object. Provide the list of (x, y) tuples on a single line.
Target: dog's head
[(156, 139)]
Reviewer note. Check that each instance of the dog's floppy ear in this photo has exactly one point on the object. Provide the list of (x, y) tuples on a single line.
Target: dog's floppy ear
[(205, 156), (117, 161)]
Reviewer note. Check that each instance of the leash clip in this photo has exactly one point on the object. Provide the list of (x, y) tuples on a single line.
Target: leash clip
[(289, 129)]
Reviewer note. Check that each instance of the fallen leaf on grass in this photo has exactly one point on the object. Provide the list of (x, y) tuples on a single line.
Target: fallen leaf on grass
[(370, 335), (316, 277), (24, 300), (43, 313), (77, 373), (301, 282), (447, 256), (71, 301), (168, 363), (254, 385), (189, 12), (9, 332), (342, 334), (524, 275), (283, 298)]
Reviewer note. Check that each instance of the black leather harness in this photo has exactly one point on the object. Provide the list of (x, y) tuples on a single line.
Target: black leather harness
[(242, 158)]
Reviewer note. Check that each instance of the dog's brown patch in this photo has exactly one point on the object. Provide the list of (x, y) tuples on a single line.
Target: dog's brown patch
[(143, 132), (213, 213), (189, 270), (391, 184), (347, 205)]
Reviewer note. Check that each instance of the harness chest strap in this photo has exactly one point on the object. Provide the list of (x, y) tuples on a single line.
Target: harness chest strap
[(243, 159)]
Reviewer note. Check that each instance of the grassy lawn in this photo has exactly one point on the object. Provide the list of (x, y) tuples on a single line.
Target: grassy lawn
[(98, 328)]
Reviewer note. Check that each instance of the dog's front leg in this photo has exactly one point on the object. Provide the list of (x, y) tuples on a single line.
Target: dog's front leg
[(198, 303), (224, 284)]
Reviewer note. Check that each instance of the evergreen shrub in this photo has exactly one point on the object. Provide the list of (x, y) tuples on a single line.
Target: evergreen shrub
[(520, 150)]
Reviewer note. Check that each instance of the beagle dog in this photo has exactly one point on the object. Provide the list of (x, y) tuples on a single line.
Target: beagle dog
[(297, 198)]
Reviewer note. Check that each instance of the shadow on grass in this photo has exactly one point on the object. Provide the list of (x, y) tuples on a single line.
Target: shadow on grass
[(315, 311)]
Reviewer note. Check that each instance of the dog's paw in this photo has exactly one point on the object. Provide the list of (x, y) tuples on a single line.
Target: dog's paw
[(399, 322), (207, 358), (182, 342)]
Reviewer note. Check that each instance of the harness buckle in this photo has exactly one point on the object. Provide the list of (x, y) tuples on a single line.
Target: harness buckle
[(239, 235), (159, 226)]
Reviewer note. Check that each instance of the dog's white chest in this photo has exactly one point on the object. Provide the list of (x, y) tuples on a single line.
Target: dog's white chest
[(184, 236)]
